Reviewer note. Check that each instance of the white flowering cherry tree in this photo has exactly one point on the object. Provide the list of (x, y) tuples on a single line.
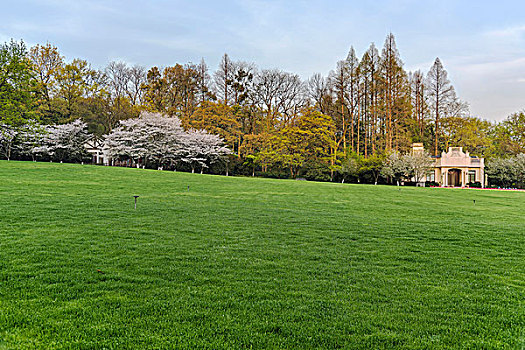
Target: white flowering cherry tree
[(155, 138), (150, 138), (61, 142), (202, 148)]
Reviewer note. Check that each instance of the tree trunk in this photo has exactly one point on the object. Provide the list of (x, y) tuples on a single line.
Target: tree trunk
[(358, 128), (436, 132), (343, 122), (331, 163), (239, 147)]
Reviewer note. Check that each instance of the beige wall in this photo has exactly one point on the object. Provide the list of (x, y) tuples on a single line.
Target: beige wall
[(455, 158), (442, 177)]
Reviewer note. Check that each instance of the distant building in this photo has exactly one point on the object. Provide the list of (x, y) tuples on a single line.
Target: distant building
[(455, 168), (94, 146)]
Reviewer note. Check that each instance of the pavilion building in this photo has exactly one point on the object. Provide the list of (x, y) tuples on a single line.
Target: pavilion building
[(455, 168), (94, 146)]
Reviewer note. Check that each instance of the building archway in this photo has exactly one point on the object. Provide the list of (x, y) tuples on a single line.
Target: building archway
[(454, 178)]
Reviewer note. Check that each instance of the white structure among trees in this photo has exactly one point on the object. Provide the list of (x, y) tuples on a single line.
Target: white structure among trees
[(453, 169), (456, 168)]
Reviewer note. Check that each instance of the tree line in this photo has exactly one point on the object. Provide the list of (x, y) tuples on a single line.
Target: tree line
[(274, 123), (152, 140)]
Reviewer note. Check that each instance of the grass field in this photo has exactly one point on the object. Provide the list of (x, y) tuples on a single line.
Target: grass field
[(254, 263)]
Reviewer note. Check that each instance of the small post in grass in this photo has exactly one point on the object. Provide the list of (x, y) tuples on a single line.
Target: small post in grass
[(135, 201)]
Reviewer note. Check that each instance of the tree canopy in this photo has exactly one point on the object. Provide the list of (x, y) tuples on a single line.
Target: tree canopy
[(367, 108)]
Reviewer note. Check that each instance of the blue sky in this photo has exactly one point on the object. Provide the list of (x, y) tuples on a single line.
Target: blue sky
[(481, 43)]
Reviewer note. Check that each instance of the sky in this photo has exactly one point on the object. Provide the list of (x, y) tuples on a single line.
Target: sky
[(481, 43)]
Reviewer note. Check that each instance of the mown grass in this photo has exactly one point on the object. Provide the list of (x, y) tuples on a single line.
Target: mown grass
[(253, 263)]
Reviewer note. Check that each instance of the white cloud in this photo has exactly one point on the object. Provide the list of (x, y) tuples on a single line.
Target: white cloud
[(510, 32), (481, 47)]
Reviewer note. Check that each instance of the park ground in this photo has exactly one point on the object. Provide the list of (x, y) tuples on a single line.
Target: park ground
[(227, 263)]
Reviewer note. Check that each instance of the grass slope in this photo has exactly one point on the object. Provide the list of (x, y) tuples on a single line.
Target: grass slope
[(242, 262)]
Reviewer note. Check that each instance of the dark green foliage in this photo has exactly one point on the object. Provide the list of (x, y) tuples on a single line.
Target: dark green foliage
[(316, 171), (253, 263)]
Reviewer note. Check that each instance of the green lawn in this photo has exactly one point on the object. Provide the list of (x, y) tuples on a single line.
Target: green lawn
[(254, 263)]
